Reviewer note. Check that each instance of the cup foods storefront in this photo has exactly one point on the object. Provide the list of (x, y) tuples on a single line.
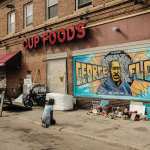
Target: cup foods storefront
[(104, 61), (56, 62)]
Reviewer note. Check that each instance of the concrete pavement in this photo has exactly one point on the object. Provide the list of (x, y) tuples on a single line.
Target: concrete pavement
[(125, 134)]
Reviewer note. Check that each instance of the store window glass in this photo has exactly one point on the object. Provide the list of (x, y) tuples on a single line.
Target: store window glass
[(11, 22), (83, 3), (52, 8), (28, 14)]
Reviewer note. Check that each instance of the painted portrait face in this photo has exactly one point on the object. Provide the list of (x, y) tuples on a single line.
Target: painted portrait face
[(116, 72)]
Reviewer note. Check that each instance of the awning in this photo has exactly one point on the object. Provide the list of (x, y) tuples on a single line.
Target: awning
[(6, 58)]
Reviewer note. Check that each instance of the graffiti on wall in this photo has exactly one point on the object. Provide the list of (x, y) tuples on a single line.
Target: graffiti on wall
[(117, 75)]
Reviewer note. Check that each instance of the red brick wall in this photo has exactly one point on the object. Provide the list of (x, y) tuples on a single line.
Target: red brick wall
[(38, 13), (38, 9), (3, 20), (66, 7), (98, 2)]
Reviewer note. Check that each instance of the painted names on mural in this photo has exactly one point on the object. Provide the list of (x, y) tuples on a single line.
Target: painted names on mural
[(86, 72), (140, 70)]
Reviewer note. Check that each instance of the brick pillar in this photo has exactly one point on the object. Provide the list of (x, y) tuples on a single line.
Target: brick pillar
[(69, 72)]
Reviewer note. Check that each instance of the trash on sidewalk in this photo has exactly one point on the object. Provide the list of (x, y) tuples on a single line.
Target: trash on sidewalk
[(23, 99), (47, 116), (134, 111)]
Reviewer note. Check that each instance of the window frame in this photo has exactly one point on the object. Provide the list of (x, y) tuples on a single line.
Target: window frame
[(25, 14), (47, 9), (9, 23), (83, 5)]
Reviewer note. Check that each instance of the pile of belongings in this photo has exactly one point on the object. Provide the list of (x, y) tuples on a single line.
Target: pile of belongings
[(135, 111)]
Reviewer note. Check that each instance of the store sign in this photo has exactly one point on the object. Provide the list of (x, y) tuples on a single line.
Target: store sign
[(61, 35)]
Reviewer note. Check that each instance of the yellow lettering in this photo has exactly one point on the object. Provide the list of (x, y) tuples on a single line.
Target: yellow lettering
[(132, 70), (139, 74), (95, 72), (84, 73), (147, 70), (89, 72), (78, 73)]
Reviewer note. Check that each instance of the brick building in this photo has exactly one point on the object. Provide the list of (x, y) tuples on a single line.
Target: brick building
[(86, 35)]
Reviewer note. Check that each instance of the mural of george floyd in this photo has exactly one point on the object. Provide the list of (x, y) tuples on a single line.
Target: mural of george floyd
[(123, 75)]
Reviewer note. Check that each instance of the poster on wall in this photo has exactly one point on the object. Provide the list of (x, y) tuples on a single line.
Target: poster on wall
[(113, 75)]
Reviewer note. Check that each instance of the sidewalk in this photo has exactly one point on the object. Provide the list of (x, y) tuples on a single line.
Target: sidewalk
[(118, 132)]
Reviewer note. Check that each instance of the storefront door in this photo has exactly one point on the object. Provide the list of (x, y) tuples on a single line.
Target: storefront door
[(56, 75)]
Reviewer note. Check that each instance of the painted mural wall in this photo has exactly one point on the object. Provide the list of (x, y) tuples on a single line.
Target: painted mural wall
[(116, 75)]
